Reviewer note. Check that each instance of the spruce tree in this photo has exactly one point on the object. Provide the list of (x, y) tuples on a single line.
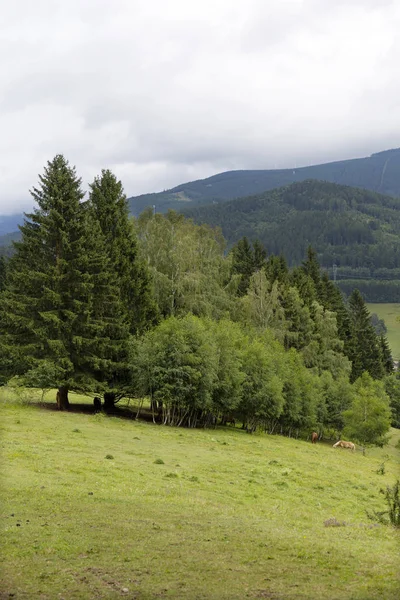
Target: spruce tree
[(311, 266), (364, 348), (259, 256), (60, 315), (276, 269), (330, 296), (243, 263), (386, 355), (133, 280)]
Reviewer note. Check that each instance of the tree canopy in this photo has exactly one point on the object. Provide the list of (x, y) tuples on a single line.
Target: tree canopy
[(157, 307)]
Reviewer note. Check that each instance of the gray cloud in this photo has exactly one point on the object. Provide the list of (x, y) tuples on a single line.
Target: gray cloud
[(165, 92)]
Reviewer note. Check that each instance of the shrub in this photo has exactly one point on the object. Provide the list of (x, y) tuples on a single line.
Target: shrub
[(392, 497)]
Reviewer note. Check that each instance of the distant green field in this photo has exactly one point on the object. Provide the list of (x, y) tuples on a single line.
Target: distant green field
[(97, 507), (389, 312)]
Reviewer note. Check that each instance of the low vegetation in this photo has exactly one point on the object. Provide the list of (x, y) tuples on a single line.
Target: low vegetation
[(152, 320), (186, 513)]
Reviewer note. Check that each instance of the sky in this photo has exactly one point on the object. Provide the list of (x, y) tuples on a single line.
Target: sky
[(168, 91)]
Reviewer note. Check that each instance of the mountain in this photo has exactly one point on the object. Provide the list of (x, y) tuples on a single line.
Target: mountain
[(379, 172), (9, 223), (356, 230)]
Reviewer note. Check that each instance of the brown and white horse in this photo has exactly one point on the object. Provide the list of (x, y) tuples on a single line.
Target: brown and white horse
[(343, 444), (314, 437)]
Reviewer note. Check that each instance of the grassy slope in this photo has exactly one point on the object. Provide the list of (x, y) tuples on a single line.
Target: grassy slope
[(227, 516), (389, 312)]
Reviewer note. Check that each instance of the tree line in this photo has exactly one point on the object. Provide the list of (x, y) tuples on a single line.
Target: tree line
[(353, 229), (96, 302)]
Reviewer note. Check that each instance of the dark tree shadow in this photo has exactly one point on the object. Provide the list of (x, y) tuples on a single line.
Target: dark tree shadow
[(121, 412)]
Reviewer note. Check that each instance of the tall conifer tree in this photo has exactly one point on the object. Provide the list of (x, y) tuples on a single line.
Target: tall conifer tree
[(386, 354), (61, 315), (133, 280), (364, 350), (243, 263)]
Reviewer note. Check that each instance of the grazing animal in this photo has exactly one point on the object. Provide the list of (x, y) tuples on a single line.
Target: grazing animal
[(314, 437), (97, 404), (342, 444)]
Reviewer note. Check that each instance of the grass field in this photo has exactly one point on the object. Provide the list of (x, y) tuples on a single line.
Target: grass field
[(389, 312), (101, 507)]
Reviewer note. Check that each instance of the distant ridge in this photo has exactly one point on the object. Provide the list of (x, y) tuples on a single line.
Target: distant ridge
[(354, 231), (379, 172)]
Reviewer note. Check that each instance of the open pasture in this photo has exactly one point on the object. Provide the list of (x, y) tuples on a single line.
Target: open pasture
[(390, 313), (101, 507)]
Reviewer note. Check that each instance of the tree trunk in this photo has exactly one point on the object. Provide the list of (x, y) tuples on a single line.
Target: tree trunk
[(109, 400), (62, 398)]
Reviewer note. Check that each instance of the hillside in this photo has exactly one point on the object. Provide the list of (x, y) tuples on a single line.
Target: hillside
[(9, 223), (379, 172), (354, 229), (106, 508)]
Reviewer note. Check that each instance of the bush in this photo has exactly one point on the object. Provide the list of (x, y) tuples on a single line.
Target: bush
[(392, 496)]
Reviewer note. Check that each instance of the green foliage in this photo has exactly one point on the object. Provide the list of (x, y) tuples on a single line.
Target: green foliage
[(177, 368), (354, 229), (227, 389), (247, 259), (132, 278), (392, 515), (386, 355), (365, 351), (60, 316), (367, 421), (338, 395), (325, 350), (262, 396), (187, 262), (392, 388), (262, 306), (360, 173)]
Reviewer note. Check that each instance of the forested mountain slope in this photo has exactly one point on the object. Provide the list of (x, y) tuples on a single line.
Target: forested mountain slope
[(379, 172), (357, 230)]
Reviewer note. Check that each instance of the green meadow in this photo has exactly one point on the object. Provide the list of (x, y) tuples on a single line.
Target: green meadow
[(390, 313), (103, 507)]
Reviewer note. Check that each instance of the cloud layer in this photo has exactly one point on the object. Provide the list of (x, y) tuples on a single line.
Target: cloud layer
[(166, 92)]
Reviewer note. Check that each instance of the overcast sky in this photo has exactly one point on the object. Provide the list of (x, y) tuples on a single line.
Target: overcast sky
[(168, 91)]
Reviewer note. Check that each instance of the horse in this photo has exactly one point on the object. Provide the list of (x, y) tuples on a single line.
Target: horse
[(343, 444), (314, 437)]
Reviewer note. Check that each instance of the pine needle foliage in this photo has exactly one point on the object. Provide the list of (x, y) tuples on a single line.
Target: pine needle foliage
[(61, 317)]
